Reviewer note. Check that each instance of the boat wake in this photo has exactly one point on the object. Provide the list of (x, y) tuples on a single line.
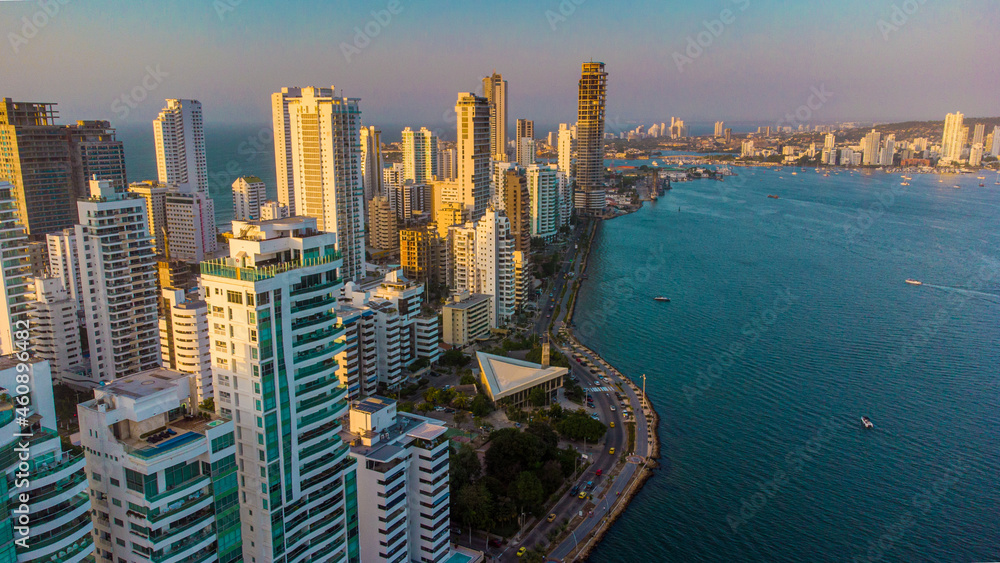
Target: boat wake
[(989, 297)]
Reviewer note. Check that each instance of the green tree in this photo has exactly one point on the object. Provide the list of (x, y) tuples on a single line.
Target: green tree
[(538, 397), (454, 357), (461, 417), (464, 467), (481, 405), (528, 492), (579, 426), (473, 507), (467, 379)]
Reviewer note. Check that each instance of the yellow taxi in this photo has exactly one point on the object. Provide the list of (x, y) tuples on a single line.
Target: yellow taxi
[(583, 494), (612, 424), (551, 517), (522, 551), (611, 451)]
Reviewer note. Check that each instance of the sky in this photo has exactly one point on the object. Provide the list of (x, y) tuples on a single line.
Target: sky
[(749, 60)]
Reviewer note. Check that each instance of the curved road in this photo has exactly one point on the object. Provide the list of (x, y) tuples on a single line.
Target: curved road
[(606, 489)]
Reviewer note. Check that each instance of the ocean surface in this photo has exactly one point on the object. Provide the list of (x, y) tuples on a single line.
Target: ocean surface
[(790, 319)]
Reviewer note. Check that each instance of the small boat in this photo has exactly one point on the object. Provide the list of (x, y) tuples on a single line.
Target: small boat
[(904, 183), (914, 282), (661, 298), (982, 185), (957, 187), (867, 422), (772, 196)]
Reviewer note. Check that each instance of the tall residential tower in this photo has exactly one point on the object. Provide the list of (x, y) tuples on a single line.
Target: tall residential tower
[(593, 85)]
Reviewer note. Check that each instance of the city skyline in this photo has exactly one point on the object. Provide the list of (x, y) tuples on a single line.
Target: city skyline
[(737, 72)]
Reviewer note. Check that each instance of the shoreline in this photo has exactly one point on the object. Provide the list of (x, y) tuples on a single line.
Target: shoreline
[(644, 471)]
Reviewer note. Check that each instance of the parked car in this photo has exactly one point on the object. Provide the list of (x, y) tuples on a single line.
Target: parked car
[(522, 551), (551, 517), (599, 472), (574, 490)]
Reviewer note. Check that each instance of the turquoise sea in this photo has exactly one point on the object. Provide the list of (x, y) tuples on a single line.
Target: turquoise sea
[(790, 318)]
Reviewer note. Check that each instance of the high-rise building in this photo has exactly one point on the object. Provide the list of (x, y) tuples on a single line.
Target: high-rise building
[(271, 210), (424, 254), (473, 152), (952, 140), (521, 277), (677, 128), (117, 270), (482, 263), (275, 342), (513, 198), (495, 91), (525, 139), (50, 481), (155, 195), (403, 469), (409, 199), (830, 141), (325, 149), (590, 138), (179, 133), (976, 155), (383, 229), (15, 273), (870, 148), (543, 193), (357, 362), (283, 163), (419, 331), (162, 473), (980, 131), (35, 158), (747, 149), (567, 149), (371, 162), (719, 128), (420, 155), (184, 339), (95, 152), (191, 232), (888, 150), (447, 164), (393, 176), (55, 329), (995, 149), (728, 133), (248, 195), (64, 265)]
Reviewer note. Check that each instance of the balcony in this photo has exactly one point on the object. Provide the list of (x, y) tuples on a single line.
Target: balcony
[(230, 268)]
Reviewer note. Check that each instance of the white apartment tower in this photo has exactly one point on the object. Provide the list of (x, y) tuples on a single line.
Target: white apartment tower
[(283, 163), (16, 272), (119, 283), (249, 193), (58, 506), (567, 148), (155, 194), (483, 263), (163, 474), (179, 133), (271, 210), (952, 139), (357, 363), (495, 91), (420, 155), (543, 198), (403, 468), (995, 149), (185, 343), (191, 233), (56, 329), (275, 340), (325, 151), (473, 148), (64, 265)]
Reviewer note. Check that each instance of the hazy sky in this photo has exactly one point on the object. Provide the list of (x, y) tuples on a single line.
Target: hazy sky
[(877, 61)]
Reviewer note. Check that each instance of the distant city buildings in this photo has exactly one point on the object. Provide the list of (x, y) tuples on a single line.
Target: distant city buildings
[(719, 129), (952, 138), (525, 142), (420, 155), (382, 224)]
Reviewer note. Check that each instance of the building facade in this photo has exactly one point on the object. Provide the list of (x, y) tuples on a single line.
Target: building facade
[(15, 271), (249, 193), (55, 328), (179, 134), (185, 343), (275, 342), (162, 475), (473, 148), (420, 155), (495, 91), (593, 85)]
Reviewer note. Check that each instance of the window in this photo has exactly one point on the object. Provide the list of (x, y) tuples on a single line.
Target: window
[(218, 312), (250, 299), (115, 482), (252, 317), (234, 297), (96, 476)]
